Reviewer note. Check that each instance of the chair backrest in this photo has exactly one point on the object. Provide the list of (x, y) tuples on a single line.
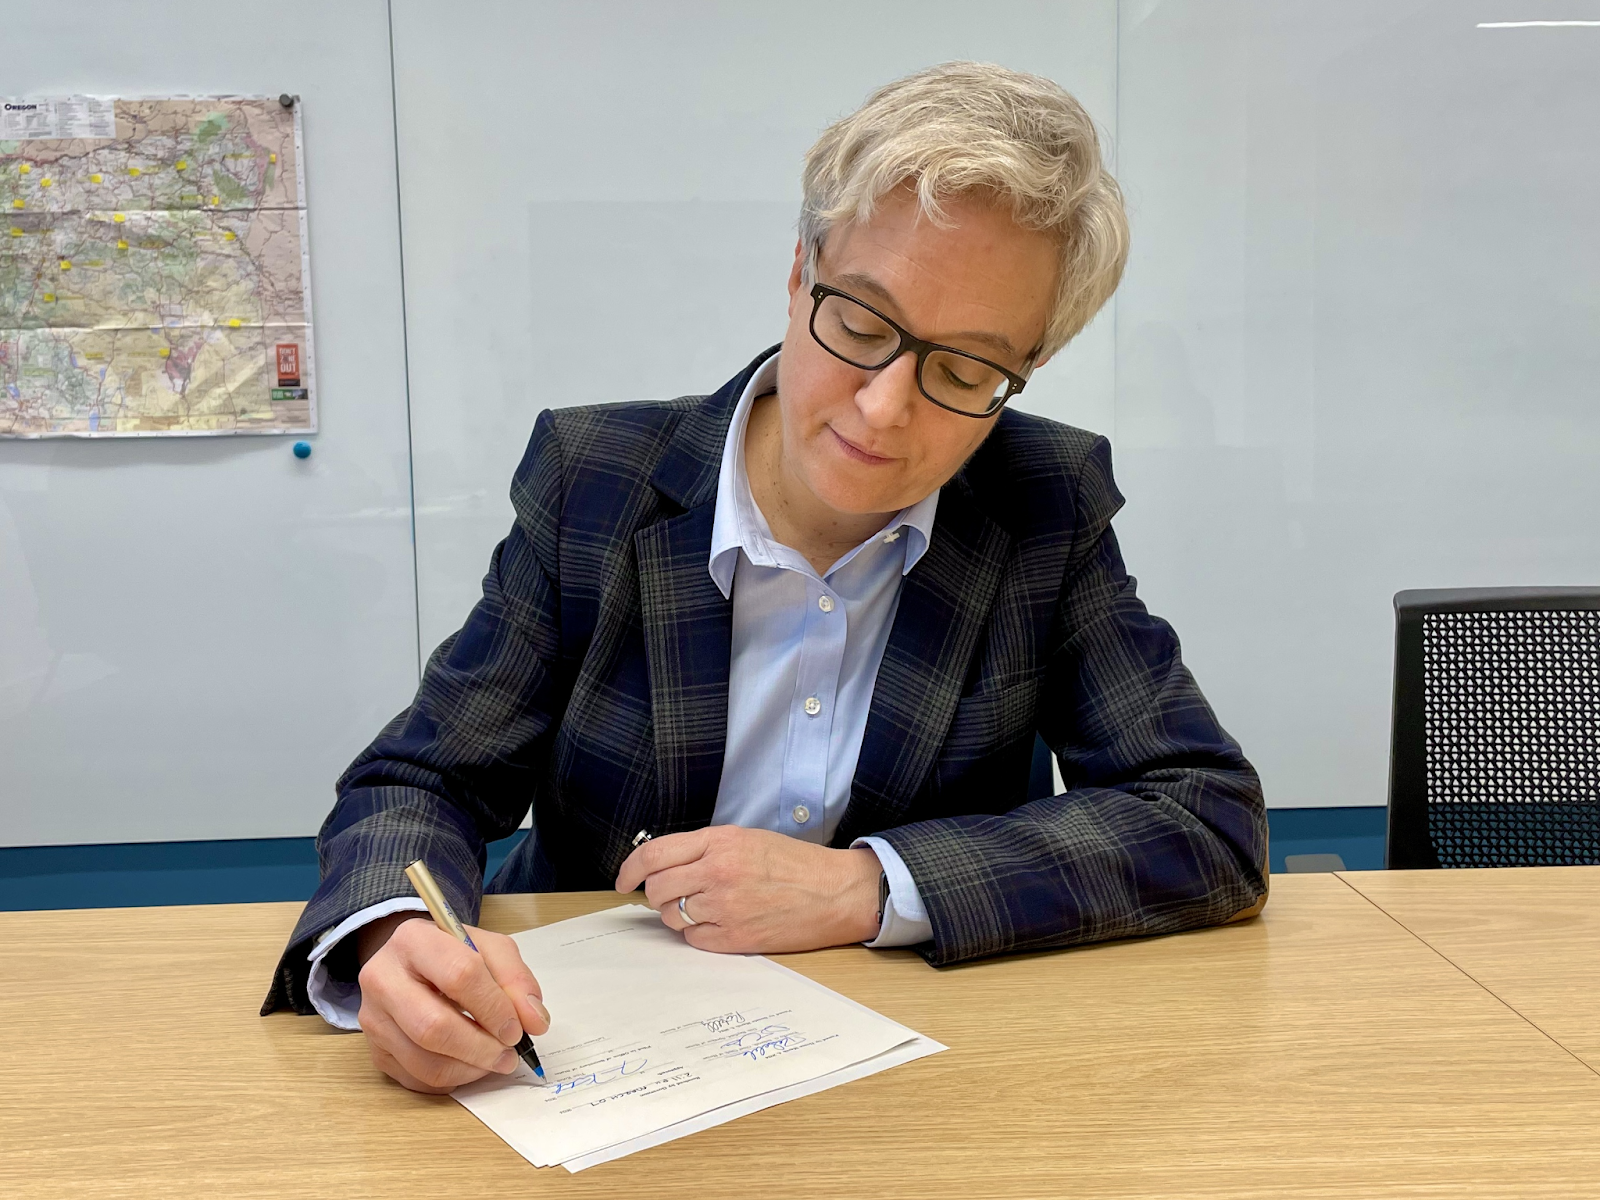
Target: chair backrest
[(1495, 752)]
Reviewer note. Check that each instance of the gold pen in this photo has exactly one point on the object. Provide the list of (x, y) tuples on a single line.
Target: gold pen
[(445, 918)]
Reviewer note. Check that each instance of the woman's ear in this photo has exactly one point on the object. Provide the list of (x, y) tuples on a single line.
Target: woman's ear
[(796, 274)]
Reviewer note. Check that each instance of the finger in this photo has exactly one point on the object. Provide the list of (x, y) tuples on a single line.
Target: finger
[(713, 938), (664, 887), (460, 973), (671, 917), (672, 850), (703, 909), (432, 1022), (435, 1072), (505, 963)]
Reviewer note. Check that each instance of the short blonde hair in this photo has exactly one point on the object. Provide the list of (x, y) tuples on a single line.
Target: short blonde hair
[(964, 127)]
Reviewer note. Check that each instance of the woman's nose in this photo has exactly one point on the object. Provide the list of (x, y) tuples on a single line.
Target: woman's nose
[(886, 399)]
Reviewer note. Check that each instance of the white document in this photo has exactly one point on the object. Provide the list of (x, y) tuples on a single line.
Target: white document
[(653, 1039)]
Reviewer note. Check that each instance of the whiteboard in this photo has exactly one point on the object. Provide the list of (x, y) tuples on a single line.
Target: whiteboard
[(1356, 347), (196, 635), (600, 201)]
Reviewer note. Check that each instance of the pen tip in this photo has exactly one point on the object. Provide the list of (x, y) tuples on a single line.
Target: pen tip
[(539, 1071)]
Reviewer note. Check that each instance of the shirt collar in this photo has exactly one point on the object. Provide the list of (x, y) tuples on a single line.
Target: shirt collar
[(738, 523)]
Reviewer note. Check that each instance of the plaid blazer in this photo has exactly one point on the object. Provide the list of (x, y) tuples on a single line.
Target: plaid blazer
[(591, 682)]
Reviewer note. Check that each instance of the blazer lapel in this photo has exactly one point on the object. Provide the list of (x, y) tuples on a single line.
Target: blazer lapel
[(688, 625), (688, 639), (944, 604)]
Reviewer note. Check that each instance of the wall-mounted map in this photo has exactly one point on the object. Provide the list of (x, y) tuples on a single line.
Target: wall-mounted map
[(154, 274)]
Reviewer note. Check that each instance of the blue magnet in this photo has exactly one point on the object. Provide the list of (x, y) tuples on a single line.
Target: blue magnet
[(302, 449)]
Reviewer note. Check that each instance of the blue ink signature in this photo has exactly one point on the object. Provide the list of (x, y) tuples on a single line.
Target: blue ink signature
[(628, 1066), (750, 1035), (757, 1044), (775, 1046)]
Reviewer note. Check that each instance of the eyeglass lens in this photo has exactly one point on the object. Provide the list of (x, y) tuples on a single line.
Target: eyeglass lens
[(861, 338)]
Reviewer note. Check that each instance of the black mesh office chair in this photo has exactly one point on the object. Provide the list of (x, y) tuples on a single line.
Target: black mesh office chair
[(1495, 758)]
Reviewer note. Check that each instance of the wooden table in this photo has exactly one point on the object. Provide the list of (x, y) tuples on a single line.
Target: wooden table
[(1531, 936), (1323, 1050)]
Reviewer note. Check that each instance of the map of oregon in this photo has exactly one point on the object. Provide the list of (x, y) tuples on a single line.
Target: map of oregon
[(156, 281)]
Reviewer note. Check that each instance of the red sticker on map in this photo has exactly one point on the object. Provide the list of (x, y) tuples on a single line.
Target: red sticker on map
[(288, 364)]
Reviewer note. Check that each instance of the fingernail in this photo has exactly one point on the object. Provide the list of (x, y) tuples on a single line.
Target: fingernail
[(538, 1007), (506, 1063), (511, 1032)]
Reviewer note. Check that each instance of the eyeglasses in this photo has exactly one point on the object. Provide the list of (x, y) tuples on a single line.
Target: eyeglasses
[(953, 379)]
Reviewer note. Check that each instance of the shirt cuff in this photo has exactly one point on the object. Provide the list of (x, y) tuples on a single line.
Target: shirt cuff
[(905, 920), (335, 1001)]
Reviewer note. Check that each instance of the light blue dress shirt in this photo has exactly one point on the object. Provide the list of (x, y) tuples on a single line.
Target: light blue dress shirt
[(806, 649)]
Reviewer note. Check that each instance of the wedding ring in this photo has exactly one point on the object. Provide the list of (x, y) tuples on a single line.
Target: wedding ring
[(684, 912)]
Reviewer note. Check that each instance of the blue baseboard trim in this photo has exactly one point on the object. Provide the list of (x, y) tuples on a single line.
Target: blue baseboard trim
[(1356, 835), (137, 874)]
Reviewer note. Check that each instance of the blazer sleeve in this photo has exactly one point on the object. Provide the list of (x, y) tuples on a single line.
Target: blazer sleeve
[(459, 767), (1163, 825)]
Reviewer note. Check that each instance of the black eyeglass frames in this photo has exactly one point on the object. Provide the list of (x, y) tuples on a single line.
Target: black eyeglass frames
[(860, 335)]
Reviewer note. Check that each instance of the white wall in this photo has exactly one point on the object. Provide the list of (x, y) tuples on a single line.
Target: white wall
[(196, 635), (1358, 343)]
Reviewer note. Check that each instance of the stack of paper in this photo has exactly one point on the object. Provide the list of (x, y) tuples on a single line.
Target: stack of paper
[(652, 1039)]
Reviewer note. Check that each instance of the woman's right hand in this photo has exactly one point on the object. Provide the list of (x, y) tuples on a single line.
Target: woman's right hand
[(418, 983)]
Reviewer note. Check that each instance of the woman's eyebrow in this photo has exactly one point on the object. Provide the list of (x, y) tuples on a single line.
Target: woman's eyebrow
[(855, 283)]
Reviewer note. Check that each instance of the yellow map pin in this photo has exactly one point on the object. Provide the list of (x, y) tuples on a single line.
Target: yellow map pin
[(135, 172), (95, 178), (66, 264), (25, 168), (234, 323), (230, 236), (119, 218)]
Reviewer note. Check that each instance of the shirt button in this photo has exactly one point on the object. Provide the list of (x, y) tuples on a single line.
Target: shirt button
[(813, 706), (801, 814), (825, 603)]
